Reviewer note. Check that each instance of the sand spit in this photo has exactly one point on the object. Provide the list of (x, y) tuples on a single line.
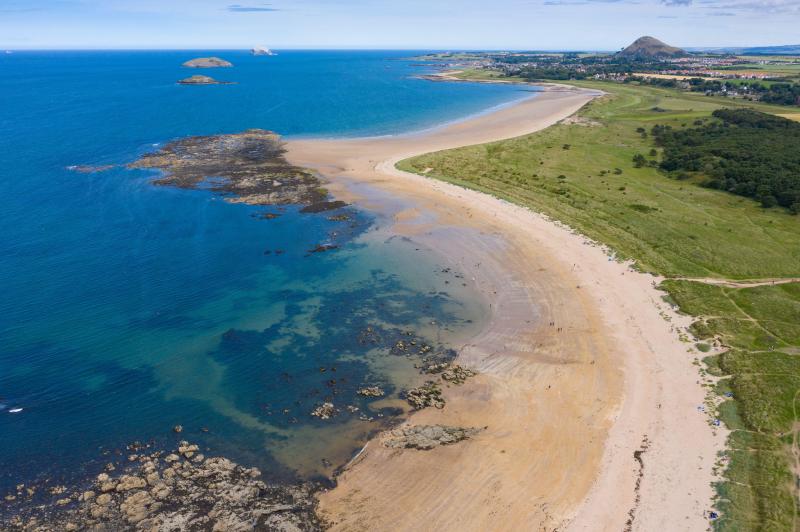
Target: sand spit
[(589, 398)]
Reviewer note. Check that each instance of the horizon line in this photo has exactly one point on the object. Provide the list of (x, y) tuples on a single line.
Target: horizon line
[(302, 48), (357, 48)]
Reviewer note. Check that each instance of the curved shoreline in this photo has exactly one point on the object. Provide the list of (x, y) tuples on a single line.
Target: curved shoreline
[(421, 130), (567, 405)]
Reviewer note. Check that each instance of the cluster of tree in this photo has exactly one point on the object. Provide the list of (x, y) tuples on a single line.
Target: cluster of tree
[(667, 83), (743, 152), (534, 68), (775, 93), (778, 93), (551, 73), (533, 57), (782, 94)]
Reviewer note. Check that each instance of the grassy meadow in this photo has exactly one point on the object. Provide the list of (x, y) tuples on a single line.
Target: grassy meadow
[(480, 74), (782, 67), (581, 172)]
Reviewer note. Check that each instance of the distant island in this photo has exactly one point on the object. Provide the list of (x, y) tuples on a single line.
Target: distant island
[(207, 62), (262, 50), (651, 47), (203, 80)]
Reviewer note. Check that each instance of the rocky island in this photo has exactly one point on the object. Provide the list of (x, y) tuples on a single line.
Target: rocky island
[(207, 62), (203, 80), (262, 50)]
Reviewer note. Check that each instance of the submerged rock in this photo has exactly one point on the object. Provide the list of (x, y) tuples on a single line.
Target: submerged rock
[(371, 391), (324, 411), (89, 169), (426, 437), (207, 62), (324, 206), (322, 248)]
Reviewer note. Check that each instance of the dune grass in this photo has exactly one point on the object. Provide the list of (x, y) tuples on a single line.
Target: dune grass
[(762, 369), (581, 172)]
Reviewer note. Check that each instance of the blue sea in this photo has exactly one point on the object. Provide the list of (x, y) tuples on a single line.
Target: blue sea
[(127, 308)]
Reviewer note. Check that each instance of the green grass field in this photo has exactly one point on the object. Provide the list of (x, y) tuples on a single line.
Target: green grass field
[(479, 74), (788, 68), (746, 82), (582, 174)]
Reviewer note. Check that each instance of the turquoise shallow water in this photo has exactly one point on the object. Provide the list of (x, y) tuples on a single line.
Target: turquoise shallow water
[(127, 308)]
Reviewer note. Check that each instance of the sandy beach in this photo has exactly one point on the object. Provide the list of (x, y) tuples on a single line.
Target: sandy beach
[(592, 423)]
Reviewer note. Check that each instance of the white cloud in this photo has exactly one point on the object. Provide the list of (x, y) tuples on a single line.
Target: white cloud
[(761, 6)]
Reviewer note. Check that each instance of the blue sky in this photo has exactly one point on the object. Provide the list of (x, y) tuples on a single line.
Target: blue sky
[(428, 24)]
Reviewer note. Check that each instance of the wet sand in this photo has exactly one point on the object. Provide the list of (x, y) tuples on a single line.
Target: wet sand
[(566, 406)]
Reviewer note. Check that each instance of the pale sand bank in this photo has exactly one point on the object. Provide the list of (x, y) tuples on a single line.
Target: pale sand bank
[(566, 406)]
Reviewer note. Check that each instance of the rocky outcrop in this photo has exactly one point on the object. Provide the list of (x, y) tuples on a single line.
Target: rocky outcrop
[(189, 493), (247, 167), (429, 394), (457, 374), (452, 373), (207, 62), (371, 391), (202, 80), (324, 411), (426, 437)]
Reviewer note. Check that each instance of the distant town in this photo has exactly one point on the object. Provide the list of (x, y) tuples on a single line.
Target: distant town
[(773, 78)]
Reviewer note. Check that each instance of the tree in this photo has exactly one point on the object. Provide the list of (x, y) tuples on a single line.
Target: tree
[(768, 201), (744, 152)]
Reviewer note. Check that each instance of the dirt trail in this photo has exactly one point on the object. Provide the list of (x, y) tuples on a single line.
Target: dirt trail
[(746, 283)]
